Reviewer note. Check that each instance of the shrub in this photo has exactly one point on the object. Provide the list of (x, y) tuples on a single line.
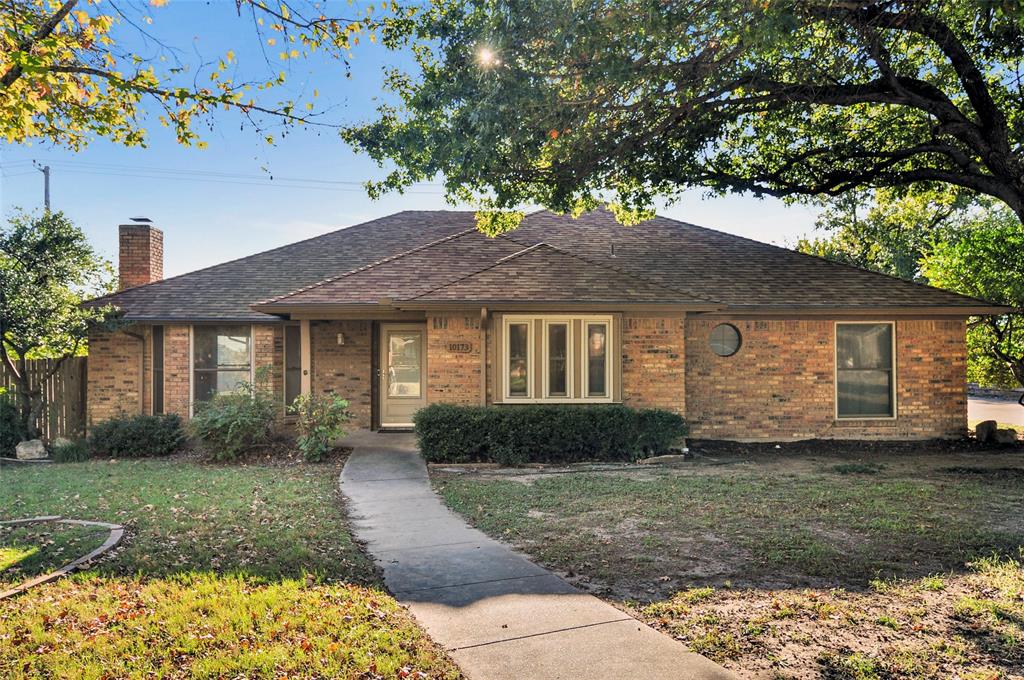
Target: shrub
[(321, 421), (137, 436), (232, 424), (70, 451), (11, 429), (544, 433)]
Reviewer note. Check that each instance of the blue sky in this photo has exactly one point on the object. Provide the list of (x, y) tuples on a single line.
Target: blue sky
[(220, 203)]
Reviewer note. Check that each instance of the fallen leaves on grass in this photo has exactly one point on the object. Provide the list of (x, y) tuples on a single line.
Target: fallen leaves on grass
[(206, 625), (959, 625)]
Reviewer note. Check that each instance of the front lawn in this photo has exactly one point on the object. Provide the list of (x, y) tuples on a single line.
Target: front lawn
[(30, 550), (225, 571), (798, 565)]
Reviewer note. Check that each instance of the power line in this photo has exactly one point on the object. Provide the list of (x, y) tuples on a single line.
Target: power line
[(139, 169), (279, 183)]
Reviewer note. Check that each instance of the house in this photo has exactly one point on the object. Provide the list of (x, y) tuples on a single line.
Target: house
[(748, 341)]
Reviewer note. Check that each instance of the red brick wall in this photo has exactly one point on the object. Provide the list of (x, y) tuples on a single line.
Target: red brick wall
[(781, 383), (654, 362), (141, 255), (343, 369), (176, 362), (453, 376), (114, 376)]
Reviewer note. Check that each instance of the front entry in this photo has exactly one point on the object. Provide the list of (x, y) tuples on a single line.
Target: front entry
[(403, 387)]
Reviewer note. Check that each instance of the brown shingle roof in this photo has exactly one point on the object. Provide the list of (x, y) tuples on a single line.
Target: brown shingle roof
[(409, 254), (227, 291), (544, 274)]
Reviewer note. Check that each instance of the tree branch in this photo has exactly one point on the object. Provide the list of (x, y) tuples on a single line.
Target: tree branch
[(44, 30)]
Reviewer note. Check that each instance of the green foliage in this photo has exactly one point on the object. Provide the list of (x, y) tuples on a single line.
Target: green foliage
[(564, 103), (12, 430), (986, 262), (321, 422), (233, 423), (68, 73), (70, 451), (47, 269), (137, 436), (889, 231), (544, 433)]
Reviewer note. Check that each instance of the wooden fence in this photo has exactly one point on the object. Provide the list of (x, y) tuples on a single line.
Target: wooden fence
[(63, 394)]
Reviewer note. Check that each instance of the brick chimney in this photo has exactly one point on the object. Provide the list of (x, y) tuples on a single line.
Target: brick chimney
[(141, 253)]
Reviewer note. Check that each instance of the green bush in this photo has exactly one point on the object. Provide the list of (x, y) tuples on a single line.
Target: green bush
[(321, 421), (11, 429), (544, 433), (137, 436), (70, 451), (232, 424)]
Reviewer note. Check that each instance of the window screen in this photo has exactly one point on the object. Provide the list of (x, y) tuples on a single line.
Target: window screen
[(222, 359), (864, 370), (292, 363), (518, 359), (158, 370)]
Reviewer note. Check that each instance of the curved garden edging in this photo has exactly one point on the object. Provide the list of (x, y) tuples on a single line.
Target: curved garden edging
[(116, 533)]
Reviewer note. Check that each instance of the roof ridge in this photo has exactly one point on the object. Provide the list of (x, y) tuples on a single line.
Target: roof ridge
[(528, 249), (818, 258), (270, 250), (627, 272), (371, 265)]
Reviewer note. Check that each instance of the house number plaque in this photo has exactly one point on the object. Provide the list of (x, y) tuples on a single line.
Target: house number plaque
[(460, 347)]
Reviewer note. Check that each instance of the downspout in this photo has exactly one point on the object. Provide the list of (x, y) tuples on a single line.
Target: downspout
[(483, 356), (142, 368)]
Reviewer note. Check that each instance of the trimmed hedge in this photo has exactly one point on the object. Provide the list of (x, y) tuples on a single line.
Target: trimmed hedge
[(137, 436), (544, 433)]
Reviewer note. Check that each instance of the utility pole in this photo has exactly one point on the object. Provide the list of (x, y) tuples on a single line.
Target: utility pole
[(45, 169)]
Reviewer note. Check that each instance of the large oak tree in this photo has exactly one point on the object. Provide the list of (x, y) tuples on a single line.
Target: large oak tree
[(565, 102)]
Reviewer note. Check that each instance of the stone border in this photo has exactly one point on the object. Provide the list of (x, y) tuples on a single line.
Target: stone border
[(116, 533)]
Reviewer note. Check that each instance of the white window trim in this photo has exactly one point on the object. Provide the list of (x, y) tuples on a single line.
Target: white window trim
[(192, 359), (506, 351), (609, 389), (835, 370), (575, 345), (570, 358)]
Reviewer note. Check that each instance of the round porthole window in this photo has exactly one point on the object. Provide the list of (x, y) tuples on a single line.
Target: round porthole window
[(725, 340)]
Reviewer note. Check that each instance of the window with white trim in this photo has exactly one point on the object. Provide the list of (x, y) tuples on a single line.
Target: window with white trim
[(865, 370), (556, 358), (221, 359)]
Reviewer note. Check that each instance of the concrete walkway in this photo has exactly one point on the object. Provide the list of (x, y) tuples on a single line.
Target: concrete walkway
[(498, 614)]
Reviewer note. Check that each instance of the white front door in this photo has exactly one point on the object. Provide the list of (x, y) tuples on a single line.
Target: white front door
[(403, 385)]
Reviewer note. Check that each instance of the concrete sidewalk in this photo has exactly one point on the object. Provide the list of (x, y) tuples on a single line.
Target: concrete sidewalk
[(498, 614)]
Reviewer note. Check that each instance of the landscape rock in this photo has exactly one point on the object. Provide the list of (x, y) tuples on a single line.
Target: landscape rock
[(32, 449), (61, 442), (1005, 436), (985, 431)]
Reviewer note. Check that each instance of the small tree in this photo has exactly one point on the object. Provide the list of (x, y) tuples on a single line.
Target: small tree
[(47, 269), (986, 261)]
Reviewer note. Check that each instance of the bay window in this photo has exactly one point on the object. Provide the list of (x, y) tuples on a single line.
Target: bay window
[(221, 359), (556, 358), (865, 370)]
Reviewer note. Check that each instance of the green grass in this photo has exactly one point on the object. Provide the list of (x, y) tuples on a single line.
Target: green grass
[(798, 527), (972, 628), (184, 516), (243, 571), (31, 550)]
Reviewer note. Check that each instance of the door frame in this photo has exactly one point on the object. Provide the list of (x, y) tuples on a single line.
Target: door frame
[(378, 393)]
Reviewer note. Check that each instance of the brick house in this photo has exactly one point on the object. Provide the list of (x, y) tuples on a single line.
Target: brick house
[(746, 340)]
